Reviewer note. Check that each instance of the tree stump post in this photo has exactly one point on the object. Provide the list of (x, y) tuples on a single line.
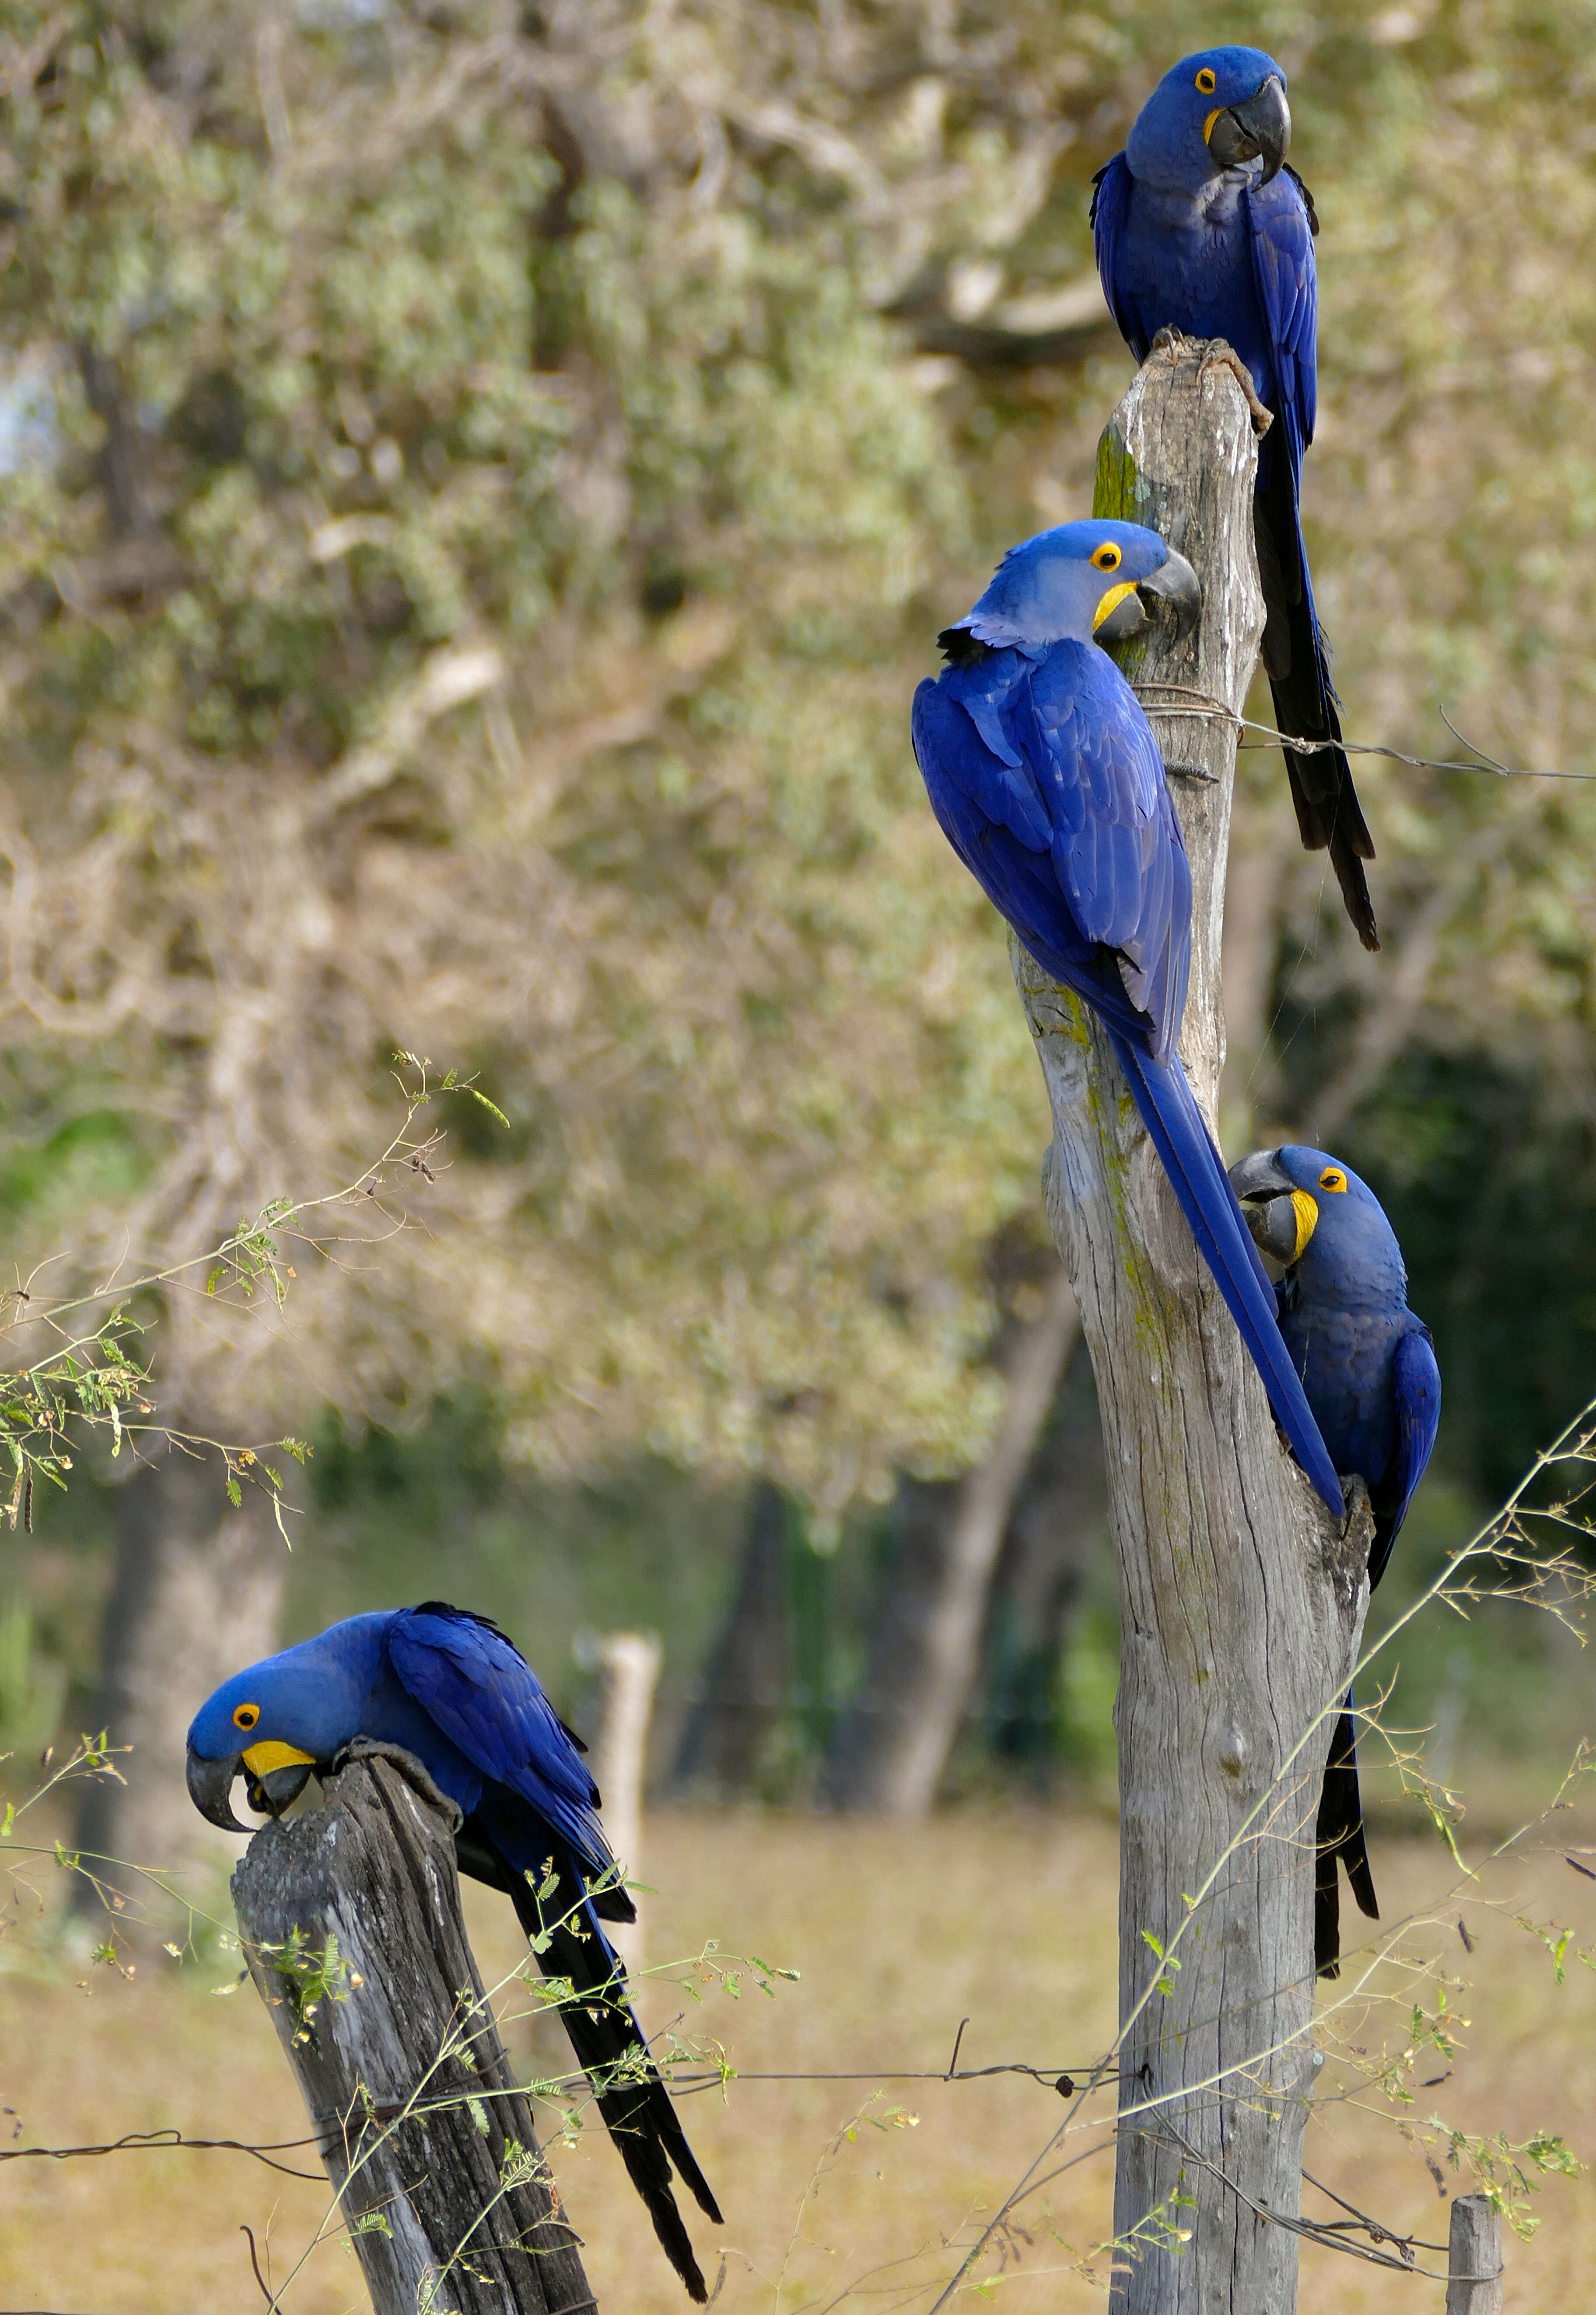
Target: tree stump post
[(350, 1922), (1241, 1602), (1473, 2263), (628, 1674)]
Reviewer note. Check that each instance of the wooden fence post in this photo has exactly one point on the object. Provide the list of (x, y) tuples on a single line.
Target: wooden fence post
[(1241, 1601), (628, 1674), (1474, 2266), (350, 1918)]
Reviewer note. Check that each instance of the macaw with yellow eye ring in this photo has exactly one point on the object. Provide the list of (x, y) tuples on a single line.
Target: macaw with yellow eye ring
[(1368, 1368), (449, 1688), (1048, 782), (1201, 228)]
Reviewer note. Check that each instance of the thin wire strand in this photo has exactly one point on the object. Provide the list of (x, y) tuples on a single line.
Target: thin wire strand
[(1203, 706)]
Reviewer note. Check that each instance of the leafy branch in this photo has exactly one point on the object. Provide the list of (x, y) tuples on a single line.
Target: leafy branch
[(94, 1383)]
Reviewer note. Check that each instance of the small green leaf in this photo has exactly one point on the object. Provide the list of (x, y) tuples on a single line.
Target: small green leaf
[(491, 1107)]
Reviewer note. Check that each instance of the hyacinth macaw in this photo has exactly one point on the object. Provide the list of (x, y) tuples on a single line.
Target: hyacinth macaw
[(1201, 228), (451, 1689), (1368, 1368), (1047, 782)]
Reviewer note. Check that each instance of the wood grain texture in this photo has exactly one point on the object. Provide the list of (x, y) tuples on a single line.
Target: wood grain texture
[(1474, 2258), (450, 2206), (1241, 1602)]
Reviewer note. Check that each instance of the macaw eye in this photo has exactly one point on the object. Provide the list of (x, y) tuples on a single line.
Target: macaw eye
[(1107, 557), (245, 1716), (1333, 1178), (1206, 82)]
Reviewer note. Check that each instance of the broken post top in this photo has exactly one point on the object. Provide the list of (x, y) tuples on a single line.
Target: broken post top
[(1180, 454), (349, 1919)]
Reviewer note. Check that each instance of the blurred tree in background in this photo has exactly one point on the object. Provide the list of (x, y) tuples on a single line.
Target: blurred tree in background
[(481, 484)]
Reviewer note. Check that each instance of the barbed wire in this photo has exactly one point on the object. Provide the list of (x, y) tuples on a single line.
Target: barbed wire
[(1206, 707)]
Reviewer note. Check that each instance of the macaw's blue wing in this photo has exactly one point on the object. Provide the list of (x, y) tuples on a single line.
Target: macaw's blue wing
[(1087, 863), (1416, 1384), (1048, 785), (1281, 230), (1110, 209), (1003, 836), (1286, 280), (1117, 849), (485, 1696)]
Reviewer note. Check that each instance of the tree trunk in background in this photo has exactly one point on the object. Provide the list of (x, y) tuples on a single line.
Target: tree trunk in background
[(196, 1594), (893, 1742), (1058, 1524), (732, 1722), (1241, 1598)]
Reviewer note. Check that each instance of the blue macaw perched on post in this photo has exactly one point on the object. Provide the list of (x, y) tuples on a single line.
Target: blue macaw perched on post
[(448, 1688), (1368, 1368), (1047, 782), (1201, 228)]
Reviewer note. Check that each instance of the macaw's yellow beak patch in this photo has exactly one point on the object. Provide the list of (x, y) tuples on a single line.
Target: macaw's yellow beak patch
[(262, 1759), (1308, 1220), (1112, 601)]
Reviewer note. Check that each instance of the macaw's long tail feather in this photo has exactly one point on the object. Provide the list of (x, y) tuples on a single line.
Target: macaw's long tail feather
[(1197, 1174), (1339, 1833), (1328, 813), (611, 2052)]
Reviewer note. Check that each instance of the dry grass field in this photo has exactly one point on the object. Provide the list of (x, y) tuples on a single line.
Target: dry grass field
[(1004, 1919)]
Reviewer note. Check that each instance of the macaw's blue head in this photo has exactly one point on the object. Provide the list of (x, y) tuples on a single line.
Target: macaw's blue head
[(280, 1720), (1083, 579), (1311, 1212), (1222, 109)]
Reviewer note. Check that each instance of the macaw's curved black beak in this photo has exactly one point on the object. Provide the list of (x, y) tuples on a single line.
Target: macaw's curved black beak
[(1280, 1217), (1262, 125), (1172, 597), (210, 1788), (279, 1789), (269, 1790)]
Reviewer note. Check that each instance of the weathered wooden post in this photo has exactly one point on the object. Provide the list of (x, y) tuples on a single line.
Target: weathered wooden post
[(1473, 2263), (628, 1674), (1241, 1602), (350, 1918)]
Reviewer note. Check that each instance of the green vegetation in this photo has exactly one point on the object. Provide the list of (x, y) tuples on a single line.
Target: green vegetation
[(477, 500)]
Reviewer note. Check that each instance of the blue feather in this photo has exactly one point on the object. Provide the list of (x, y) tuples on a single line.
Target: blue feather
[(450, 1689), (1226, 252), (1069, 830)]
